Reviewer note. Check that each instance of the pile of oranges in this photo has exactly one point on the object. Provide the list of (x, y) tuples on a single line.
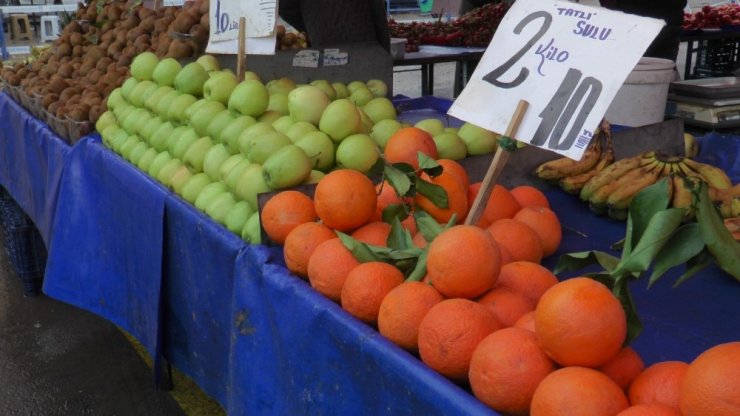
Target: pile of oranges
[(487, 313)]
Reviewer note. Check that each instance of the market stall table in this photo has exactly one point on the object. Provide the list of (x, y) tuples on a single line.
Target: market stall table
[(429, 55)]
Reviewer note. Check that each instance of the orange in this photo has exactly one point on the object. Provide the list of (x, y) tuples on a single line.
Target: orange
[(528, 196), (419, 240), (577, 391), (463, 262), (624, 367), (659, 383), (374, 233), (711, 384), (329, 266), (300, 244), (405, 143), (529, 279), (506, 369), (649, 410), (457, 201), (449, 334), (386, 196), (526, 321), (520, 240), (402, 311), (506, 305), (345, 199), (580, 322), (285, 211), (546, 224), (505, 255), (457, 170), (501, 204), (365, 288)]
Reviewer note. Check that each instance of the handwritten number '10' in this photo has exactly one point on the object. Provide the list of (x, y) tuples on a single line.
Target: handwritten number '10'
[(557, 114)]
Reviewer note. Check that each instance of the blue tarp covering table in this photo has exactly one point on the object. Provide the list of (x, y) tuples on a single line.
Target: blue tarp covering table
[(31, 161)]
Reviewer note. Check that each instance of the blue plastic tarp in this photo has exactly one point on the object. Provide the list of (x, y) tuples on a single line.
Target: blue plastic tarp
[(31, 161)]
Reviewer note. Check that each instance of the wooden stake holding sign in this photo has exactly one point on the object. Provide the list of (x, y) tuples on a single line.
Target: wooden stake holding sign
[(497, 164), (241, 56)]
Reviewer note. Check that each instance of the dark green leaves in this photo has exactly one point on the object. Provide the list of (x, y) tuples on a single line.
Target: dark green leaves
[(724, 248), (434, 193), (643, 207), (576, 261), (657, 233), (685, 244)]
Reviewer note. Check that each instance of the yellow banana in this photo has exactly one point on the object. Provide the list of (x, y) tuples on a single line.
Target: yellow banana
[(621, 197), (573, 184), (682, 196), (724, 198), (564, 166), (691, 146), (714, 176), (612, 172), (597, 201), (735, 207)]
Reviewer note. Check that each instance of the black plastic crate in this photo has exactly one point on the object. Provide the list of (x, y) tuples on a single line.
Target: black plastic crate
[(717, 57), (24, 245)]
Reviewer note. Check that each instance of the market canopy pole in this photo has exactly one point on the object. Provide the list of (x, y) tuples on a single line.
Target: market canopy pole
[(242, 52), (505, 147)]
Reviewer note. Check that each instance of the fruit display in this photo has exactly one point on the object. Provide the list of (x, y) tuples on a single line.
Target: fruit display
[(712, 17), (608, 186), (67, 85), (474, 28)]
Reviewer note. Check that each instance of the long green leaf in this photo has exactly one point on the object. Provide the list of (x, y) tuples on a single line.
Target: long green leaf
[(399, 238), (395, 212), (428, 226), (398, 180), (643, 207), (359, 250), (576, 261), (429, 165), (695, 265), (622, 292), (435, 193), (420, 270), (683, 245), (724, 248), (656, 235)]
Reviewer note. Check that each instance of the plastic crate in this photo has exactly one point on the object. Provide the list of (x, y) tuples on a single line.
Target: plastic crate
[(24, 245), (717, 57)]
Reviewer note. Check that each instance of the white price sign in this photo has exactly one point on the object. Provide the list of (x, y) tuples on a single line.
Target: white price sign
[(261, 17), (567, 60)]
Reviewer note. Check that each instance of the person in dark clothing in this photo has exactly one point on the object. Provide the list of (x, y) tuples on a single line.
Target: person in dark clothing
[(666, 43)]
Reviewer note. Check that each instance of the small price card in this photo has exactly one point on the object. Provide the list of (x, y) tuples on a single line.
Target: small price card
[(567, 60)]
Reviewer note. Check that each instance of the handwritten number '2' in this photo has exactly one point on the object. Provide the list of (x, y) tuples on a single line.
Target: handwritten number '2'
[(493, 76)]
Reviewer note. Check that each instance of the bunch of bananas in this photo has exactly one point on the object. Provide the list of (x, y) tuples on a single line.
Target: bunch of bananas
[(608, 187)]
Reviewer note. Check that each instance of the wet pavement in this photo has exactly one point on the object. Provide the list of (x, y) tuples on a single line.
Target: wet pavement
[(56, 359)]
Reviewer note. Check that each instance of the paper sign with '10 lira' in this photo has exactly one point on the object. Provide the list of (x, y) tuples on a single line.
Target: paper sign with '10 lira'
[(567, 60)]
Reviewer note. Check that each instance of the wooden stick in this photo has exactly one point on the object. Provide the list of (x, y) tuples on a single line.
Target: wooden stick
[(242, 53), (497, 165)]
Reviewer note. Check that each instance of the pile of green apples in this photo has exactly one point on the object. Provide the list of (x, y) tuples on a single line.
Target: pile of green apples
[(219, 142)]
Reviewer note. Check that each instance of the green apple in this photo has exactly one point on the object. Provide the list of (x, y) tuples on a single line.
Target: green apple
[(165, 72), (190, 79), (260, 147), (219, 86), (208, 62), (219, 123), (192, 108), (181, 176), (325, 86), (147, 130), (340, 119), (164, 176), (237, 217), (250, 184), (141, 92), (230, 134), (196, 153), (163, 104), (129, 145), (130, 121), (174, 137), (252, 232), (307, 103), (141, 124), (433, 126), (278, 103), (232, 177), (142, 67), (186, 138), (377, 87), (298, 129), (478, 140), (281, 85), (358, 152), (177, 109), (158, 139), (193, 186), (200, 119), (380, 108), (219, 208), (215, 157), (137, 152), (115, 98), (314, 177), (270, 116), (146, 159), (287, 167), (118, 138), (341, 89), (127, 87), (157, 163), (319, 148), (254, 130), (383, 130), (451, 130), (450, 146), (283, 124), (152, 101), (108, 133), (208, 194), (366, 124), (252, 75), (122, 111), (106, 119), (229, 164), (355, 85), (361, 96), (249, 98)]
